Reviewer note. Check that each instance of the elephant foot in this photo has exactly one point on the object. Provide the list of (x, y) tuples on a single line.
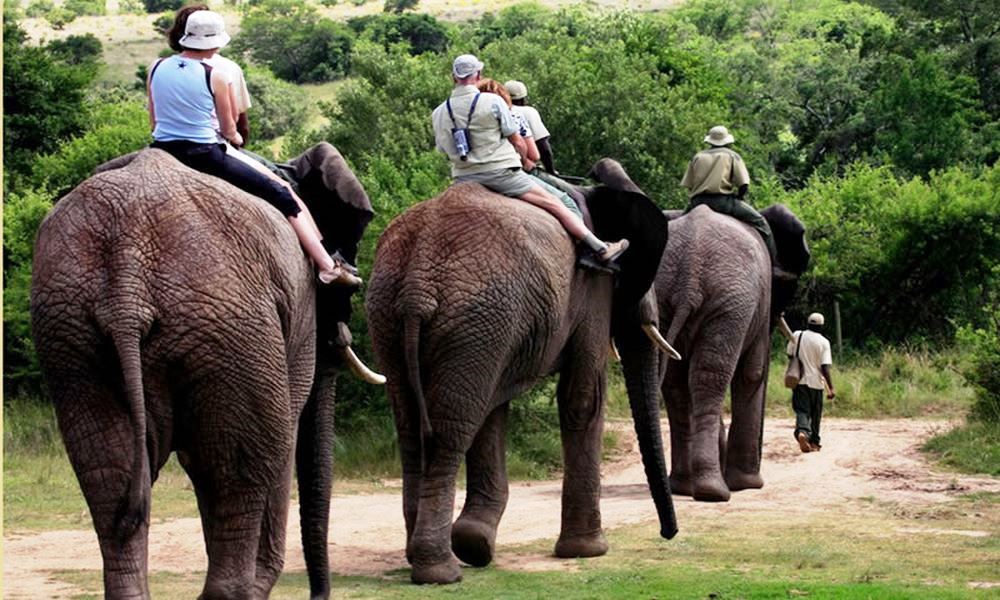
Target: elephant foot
[(680, 485), (739, 480), (443, 572), (710, 489), (581, 546), (473, 542)]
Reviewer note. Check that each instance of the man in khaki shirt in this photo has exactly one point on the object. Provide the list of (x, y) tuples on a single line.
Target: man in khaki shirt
[(718, 178), (477, 132)]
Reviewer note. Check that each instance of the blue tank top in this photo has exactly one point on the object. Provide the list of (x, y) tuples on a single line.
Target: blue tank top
[(182, 101)]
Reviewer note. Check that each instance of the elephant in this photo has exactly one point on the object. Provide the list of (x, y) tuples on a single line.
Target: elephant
[(173, 312), (719, 305), (474, 297)]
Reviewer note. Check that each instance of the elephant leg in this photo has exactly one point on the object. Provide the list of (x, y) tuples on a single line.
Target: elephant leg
[(429, 547), (581, 393), (271, 549), (677, 397), (708, 379), (408, 433), (240, 474), (473, 535), (749, 389), (99, 441)]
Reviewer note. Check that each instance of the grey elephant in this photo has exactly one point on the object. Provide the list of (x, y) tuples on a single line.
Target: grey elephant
[(474, 297), (718, 305), (173, 312)]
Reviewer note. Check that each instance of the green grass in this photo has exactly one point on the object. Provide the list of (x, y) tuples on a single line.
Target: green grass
[(873, 554), (972, 448)]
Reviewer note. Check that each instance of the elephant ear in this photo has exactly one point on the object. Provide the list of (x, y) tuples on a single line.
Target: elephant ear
[(631, 215), (789, 236)]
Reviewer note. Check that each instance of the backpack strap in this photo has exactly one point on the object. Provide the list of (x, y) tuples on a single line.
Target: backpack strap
[(155, 67), (208, 77), (472, 109)]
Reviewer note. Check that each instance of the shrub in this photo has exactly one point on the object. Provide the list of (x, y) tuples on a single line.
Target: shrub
[(77, 49), (399, 6), (157, 6), (983, 369), (422, 32), (86, 7), (39, 8), (278, 106), (59, 17)]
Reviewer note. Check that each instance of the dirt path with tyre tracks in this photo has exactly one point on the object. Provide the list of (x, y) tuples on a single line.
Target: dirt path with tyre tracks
[(860, 459)]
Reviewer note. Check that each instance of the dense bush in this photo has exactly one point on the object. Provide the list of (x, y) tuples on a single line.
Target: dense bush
[(423, 33), (291, 39), (278, 106), (77, 49), (43, 99), (39, 8), (983, 370), (156, 6)]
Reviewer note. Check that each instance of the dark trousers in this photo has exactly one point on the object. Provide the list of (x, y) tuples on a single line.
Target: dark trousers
[(740, 210), (213, 160), (808, 406)]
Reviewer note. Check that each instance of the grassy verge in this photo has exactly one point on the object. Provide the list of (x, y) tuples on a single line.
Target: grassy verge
[(973, 448), (874, 553)]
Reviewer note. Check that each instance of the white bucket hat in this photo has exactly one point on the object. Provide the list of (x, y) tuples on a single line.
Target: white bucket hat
[(466, 65), (815, 319), (516, 89), (719, 136), (204, 30)]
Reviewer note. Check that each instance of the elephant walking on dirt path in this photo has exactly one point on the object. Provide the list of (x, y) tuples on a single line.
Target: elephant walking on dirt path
[(173, 312), (473, 298), (718, 304)]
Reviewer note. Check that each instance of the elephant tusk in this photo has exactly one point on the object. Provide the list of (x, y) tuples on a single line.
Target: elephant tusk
[(361, 369), (784, 328), (614, 352), (654, 334)]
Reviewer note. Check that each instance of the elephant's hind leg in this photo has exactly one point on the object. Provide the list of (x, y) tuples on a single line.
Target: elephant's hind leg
[(748, 392), (99, 442), (473, 535), (429, 549)]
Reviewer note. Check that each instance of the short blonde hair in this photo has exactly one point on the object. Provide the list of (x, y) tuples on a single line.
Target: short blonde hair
[(492, 86)]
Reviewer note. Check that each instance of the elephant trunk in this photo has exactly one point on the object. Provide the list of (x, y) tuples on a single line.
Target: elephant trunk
[(314, 468), (640, 366)]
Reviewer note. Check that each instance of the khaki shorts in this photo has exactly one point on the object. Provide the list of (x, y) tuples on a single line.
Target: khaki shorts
[(509, 182)]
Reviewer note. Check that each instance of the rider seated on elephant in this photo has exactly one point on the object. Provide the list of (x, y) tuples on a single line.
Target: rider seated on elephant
[(529, 151), (717, 177), (185, 92), (483, 151), (519, 97)]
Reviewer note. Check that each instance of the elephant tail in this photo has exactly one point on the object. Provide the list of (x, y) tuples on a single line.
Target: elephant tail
[(411, 353), (134, 510)]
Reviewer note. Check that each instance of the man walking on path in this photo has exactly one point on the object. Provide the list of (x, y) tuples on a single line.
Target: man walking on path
[(815, 358)]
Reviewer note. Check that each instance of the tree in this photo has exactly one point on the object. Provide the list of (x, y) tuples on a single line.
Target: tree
[(77, 49), (157, 6), (290, 38), (422, 32), (43, 98), (399, 6)]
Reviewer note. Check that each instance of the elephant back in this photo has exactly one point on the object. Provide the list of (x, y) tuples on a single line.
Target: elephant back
[(157, 242)]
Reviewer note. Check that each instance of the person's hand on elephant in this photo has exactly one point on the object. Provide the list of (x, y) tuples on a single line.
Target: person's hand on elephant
[(527, 164)]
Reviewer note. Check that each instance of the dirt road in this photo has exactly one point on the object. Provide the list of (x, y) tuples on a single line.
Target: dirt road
[(877, 459)]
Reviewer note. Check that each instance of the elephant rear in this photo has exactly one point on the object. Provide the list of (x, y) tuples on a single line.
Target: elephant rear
[(142, 284)]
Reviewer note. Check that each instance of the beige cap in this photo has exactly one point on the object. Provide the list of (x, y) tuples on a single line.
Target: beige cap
[(466, 65), (815, 319), (516, 89), (719, 136)]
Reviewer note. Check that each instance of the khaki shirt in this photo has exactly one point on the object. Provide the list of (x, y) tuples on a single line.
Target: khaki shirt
[(814, 351), (491, 124), (717, 170)]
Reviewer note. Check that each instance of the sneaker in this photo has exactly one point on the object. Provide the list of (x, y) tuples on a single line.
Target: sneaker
[(803, 441), (339, 276), (814, 447), (613, 250)]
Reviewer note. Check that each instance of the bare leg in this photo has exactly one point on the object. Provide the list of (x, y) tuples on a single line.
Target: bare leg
[(312, 244), (305, 214), (542, 199)]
